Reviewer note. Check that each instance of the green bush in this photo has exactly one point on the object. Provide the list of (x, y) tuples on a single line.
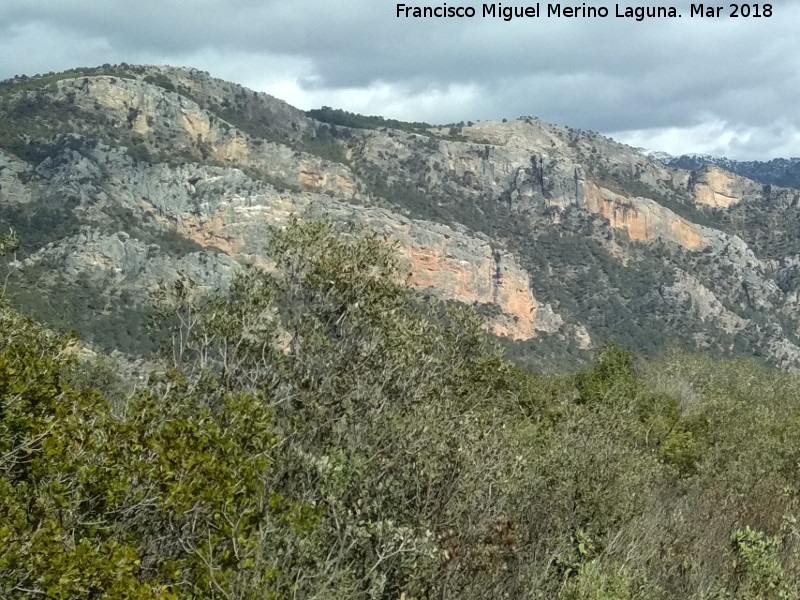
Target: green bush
[(321, 432), (758, 567)]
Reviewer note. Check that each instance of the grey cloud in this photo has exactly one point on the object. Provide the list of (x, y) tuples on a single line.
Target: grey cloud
[(606, 75)]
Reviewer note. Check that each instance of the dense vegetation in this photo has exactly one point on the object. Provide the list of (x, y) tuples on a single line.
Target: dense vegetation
[(319, 433)]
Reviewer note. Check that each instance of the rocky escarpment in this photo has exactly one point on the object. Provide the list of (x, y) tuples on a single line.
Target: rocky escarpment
[(12, 173), (783, 172), (538, 168), (528, 181), (714, 187), (643, 219), (562, 236), (167, 122), (452, 263), (227, 213)]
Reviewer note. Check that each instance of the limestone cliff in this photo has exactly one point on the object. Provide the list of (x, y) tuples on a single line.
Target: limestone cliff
[(714, 187), (223, 209), (168, 122), (452, 264), (115, 177), (643, 219)]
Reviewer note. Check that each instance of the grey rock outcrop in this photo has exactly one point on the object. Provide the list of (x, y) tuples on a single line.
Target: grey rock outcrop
[(128, 179)]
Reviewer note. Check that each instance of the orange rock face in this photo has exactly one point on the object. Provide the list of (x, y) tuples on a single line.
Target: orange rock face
[(453, 265), (317, 177), (715, 188), (206, 231), (643, 219), (431, 267)]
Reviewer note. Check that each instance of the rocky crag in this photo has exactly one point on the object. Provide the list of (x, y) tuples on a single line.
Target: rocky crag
[(119, 177), (778, 171)]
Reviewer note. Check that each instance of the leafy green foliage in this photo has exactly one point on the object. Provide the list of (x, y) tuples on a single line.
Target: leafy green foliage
[(9, 242), (320, 432), (592, 582), (161, 81), (758, 565), (167, 502)]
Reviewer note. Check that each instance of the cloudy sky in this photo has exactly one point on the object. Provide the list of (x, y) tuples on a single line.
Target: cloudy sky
[(723, 86)]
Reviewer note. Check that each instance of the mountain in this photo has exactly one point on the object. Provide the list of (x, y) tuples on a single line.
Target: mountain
[(116, 178), (778, 171)]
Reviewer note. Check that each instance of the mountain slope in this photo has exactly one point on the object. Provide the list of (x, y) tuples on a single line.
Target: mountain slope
[(778, 171), (118, 177)]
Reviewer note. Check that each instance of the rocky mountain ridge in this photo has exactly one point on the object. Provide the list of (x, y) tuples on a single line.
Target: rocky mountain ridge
[(119, 176), (777, 171)]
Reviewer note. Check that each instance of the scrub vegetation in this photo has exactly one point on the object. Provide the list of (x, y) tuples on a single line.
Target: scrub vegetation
[(319, 432)]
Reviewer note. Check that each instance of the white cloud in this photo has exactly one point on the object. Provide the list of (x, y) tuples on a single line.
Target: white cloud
[(712, 137), (719, 138)]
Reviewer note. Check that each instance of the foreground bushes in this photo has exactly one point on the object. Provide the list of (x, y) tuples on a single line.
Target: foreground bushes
[(320, 433)]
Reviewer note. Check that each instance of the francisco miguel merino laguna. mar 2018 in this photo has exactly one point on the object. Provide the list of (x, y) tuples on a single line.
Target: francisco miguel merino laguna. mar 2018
[(557, 10)]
